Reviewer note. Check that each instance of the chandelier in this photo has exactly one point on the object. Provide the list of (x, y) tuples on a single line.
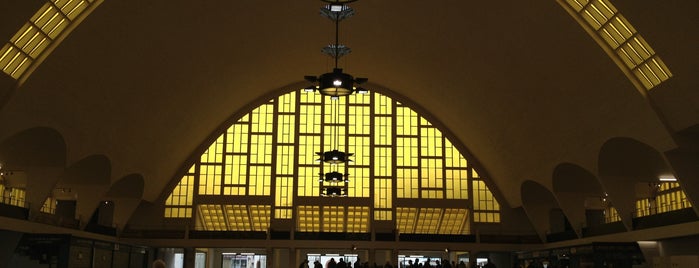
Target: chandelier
[(334, 183), (336, 83)]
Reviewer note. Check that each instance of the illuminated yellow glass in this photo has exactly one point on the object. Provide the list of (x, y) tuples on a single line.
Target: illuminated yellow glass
[(308, 218), (360, 146), (263, 118), (287, 103), (210, 179), (49, 206), (215, 152), (260, 180), (212, 217), (285, 131), (620, 35), (261, 149), (357, 220), (238, 218), (382, 215), (382, 193), (407, 121), (268, 147), (285, 160), (382, 161), (407, 152), (407, 183), (308, 181), (360, 121), (284, 192), (611, 215), (383, 134), (359, 182)]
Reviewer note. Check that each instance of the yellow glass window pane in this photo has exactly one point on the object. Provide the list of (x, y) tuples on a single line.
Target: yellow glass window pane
[(285, 130), (407, 182), (308, 184), (237, 138), (359, 183), (215, 152), (357, 220), (457, 183), (428, 220), (383, 105), (210, 177), (383, 193), (308, 147), (406, 121), (308, 218), (28, 38), (260, 149), (431, 173), (287, 103), (383, 134), (333, 219), (260, 217), (406, 219), (332, 142), (285, 160), (282, 213), (284, 193), (577, 4), (383, 165), (310, 97), (235, 172), (13, 62), (407, 152), (260, 180), (382, 215), (263, 119), (360, 121), (360, 146), (238, 217)]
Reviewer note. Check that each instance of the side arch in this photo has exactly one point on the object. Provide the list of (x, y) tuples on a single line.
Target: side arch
[(34, 158), (126, 194), (539, 203), (628, 170), (89, 178), (573, 186)]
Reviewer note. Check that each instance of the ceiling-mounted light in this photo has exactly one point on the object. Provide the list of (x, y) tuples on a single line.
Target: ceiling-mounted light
[(334, 157), (334, 192), (335, 83), (333, 177)]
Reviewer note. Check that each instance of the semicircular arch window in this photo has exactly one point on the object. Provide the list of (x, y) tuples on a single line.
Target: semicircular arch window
[(263, 168)]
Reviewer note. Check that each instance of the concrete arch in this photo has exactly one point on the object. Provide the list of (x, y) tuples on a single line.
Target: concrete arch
[(625, 163), (35, 158), (538, 203), (126, 194), (89, 179), (573, 187)]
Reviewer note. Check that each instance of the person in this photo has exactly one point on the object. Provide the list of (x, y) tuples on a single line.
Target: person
[(304, 264), (388, 265), (357, 263), (427, 263), (446, 264), (461, 265), (341, 263), (317, 264), (489, 264), (410, 264), (332, 263), (159, 263)]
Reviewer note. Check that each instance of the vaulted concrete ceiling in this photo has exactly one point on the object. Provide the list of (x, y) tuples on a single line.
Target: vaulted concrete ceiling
[(518, 83)]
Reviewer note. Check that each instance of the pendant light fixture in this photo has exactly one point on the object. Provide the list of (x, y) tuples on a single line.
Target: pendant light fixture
[(336, 83), (334, 182)]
